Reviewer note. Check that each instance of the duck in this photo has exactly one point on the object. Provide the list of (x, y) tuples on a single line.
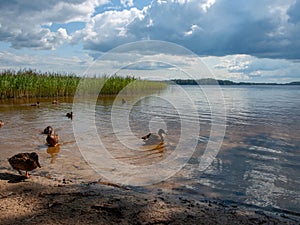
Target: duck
[(154, 138), (48, 130), (69, 115), (37, 104), (25, 161), (54, 102), (123, 101), (1, 123), (52, 139)]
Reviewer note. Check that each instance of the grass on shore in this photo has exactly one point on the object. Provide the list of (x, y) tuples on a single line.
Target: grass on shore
[(32, 84)]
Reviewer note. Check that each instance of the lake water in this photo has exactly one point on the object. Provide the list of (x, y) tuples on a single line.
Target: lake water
[(236, 143)]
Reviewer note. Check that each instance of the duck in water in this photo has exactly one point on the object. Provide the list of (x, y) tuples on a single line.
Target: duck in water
[(52, 139), (48, 130), (37, 104), (153, 138), (69, 115)]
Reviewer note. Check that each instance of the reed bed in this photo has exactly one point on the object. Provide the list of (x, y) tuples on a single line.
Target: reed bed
[(33, 84)]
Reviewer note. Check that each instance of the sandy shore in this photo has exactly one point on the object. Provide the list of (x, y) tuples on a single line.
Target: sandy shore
[(40, 200)]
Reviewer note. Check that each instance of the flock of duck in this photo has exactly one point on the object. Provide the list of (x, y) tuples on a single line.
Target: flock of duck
[(30, 161)]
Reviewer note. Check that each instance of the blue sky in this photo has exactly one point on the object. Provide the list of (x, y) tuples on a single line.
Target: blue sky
[(255, 41)]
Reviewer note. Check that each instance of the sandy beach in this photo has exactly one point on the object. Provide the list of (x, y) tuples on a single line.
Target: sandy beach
[(39, 200)]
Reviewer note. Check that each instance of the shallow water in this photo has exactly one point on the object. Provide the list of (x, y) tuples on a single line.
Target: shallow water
[(258, 162)]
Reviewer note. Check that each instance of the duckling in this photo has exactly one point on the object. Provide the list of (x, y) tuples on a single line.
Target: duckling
[(48, 130), (37, 104), (25, 161), (52, 139), (154, 138), (1, 123), (69, 115)]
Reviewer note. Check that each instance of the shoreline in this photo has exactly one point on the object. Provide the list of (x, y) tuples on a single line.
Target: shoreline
[(40, 200)]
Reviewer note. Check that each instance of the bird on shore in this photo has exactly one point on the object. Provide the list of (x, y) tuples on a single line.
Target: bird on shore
[(152, 138), (25, 161), (52, 139), (37, 104), (48, 130), (69, 115), (1, 123)]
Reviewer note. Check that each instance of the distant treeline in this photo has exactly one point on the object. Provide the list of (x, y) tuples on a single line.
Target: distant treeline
[(210, 81)]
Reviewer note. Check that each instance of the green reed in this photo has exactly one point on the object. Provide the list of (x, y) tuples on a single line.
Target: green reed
[(33, 84), (30, 83)]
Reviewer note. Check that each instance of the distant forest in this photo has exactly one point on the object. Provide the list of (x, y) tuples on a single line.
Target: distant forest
[(210, 81)]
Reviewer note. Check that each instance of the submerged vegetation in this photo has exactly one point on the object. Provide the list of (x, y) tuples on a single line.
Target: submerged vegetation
[(30, 83)]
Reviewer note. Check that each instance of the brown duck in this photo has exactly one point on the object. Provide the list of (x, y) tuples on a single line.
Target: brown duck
[(37, 104), (52, 139), (154, 138), (24, 161)]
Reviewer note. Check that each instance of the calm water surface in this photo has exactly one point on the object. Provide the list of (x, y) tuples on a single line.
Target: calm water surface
[(258, 162)]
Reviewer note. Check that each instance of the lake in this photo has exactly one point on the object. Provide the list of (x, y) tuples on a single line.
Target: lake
[(234, 143)]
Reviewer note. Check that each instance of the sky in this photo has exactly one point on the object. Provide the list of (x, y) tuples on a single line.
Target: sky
[(238, 40)]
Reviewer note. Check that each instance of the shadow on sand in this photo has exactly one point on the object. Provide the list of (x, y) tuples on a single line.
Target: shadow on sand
[(12, 178)]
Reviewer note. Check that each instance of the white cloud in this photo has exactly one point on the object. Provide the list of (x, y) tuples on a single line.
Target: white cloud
[(63, 33), (127, 3), (235, 63), (49, 62), (158, 66), (193, 28), (108, 29), (250, 68), (244, 40), (22, 22), (207, 27), (205, 6)]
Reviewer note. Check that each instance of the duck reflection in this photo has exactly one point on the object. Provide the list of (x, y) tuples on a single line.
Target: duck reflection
[(156, 150), (154, 143), (147, 154), (53, 151)]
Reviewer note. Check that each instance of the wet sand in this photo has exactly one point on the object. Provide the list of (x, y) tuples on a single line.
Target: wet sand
[(39, 200)]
